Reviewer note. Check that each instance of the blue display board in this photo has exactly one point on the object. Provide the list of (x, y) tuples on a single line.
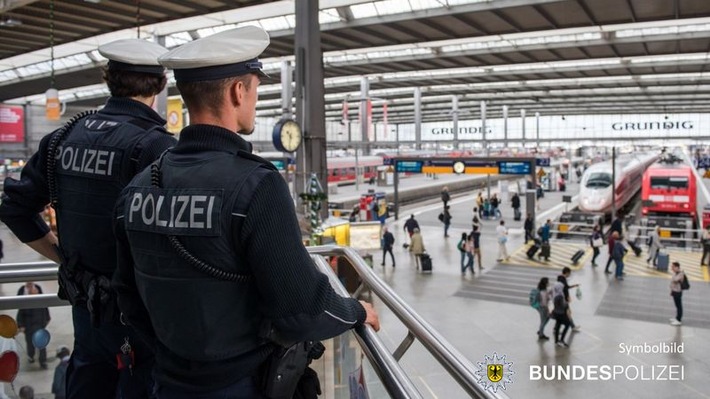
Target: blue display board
[(514, 168), (409, 166), (279, 164)]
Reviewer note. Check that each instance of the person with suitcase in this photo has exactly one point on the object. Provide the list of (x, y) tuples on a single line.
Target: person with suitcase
[(654, 247), (417, 246), (545, 238)]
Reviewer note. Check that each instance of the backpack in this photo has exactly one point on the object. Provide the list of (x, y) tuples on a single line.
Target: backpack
[(534, 298), (441, 217), (685, 284), (460, 246)]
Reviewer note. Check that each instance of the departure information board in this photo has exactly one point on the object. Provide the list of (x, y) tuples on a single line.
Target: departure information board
[(465, 166)]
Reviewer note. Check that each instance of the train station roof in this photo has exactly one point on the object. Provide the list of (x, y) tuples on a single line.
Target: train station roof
[(549, 56)]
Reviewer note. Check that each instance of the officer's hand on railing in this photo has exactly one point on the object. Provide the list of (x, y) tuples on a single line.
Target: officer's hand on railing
[(372, 319)]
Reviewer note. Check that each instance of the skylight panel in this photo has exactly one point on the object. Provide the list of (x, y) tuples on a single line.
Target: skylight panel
[(328, 16), (275, 23), (177, 39), (215, 29), (388, 7), (366, 10)]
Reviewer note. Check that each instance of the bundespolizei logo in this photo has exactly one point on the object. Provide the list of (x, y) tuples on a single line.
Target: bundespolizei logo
[(494, 372)]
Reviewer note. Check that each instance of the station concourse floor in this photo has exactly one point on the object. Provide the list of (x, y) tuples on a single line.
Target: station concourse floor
[(489, 313)]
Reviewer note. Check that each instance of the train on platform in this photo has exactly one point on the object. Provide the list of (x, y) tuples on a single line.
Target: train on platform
[(669, 189), (595, 194), (341, 170)]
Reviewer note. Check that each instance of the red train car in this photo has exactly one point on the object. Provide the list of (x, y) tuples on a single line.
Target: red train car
[(669, 189), (341, 170)]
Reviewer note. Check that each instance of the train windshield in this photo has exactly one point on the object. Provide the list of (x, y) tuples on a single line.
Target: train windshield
[(669, 183), (599, 180)]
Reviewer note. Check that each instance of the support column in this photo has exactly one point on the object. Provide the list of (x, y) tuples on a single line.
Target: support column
[(418, 117), (455, 118), (505, 126), (310, 94), (485, 143), (364, 125), (161, 100), (522, 120), (286, 90), (537, 129)]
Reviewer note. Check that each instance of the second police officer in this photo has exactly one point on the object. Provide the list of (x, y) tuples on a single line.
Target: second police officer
[(81, 169), (211, 264)]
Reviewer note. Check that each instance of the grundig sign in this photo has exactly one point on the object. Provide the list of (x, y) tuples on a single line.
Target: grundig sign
[(462, 130), (666, 125)]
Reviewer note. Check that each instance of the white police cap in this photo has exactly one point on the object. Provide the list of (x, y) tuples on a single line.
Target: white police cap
[(135, 55), (223, 55)]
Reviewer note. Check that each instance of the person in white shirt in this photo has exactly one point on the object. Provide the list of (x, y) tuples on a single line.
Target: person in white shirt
[(502, 233)]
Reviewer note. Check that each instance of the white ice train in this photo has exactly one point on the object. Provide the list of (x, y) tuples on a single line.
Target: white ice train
[(595, 189)]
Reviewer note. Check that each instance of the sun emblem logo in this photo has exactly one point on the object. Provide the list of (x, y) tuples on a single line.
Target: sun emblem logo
[(494, 372)]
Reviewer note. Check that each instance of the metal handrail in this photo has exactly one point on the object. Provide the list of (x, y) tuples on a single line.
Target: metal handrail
[(460, 368), (29, 271), (393, 378)]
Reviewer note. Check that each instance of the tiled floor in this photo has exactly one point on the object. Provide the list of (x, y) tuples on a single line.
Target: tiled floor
[(488, 313)]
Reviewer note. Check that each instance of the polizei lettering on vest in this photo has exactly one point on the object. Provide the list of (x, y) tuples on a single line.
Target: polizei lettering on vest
[(194, 212), (90, 162)]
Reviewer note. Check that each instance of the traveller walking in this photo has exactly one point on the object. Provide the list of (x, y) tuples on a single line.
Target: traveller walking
[(228, 289), (706, 247), (59, 383), (445, 197), (515, 204), (502, 235), (447, 220), (596, 241), (618, 254), (528, 226), (30, 321), (677, 282), (479, 203), (611, 242), (387, 245), (410, 225), (543, 299), (476, 240), (561, 314), (562, 278), (95, 158), (463, 250)]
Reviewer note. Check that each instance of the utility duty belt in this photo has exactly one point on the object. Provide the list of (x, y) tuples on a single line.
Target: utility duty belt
[(286, 371), (81, 287)]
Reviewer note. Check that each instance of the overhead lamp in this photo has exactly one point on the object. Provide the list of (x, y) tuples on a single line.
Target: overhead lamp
[(10, 22)]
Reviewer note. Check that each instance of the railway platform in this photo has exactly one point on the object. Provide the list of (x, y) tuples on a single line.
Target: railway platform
[(488, 313)]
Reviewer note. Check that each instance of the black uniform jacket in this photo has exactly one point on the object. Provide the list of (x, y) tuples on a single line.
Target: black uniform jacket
[(233, 211), (96, 160)]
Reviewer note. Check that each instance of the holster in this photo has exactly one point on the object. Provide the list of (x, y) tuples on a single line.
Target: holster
[(285, 367)]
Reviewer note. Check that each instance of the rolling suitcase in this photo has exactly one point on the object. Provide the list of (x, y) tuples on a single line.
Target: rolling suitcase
[(426, 262), (545, 251), (577, 256), (532, 250), (662, 261)]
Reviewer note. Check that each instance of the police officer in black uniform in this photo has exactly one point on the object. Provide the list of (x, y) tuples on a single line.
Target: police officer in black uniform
[(81, 169), (211, 265)]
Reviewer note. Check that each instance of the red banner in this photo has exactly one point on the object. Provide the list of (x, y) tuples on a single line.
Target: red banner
[(12, 124)]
